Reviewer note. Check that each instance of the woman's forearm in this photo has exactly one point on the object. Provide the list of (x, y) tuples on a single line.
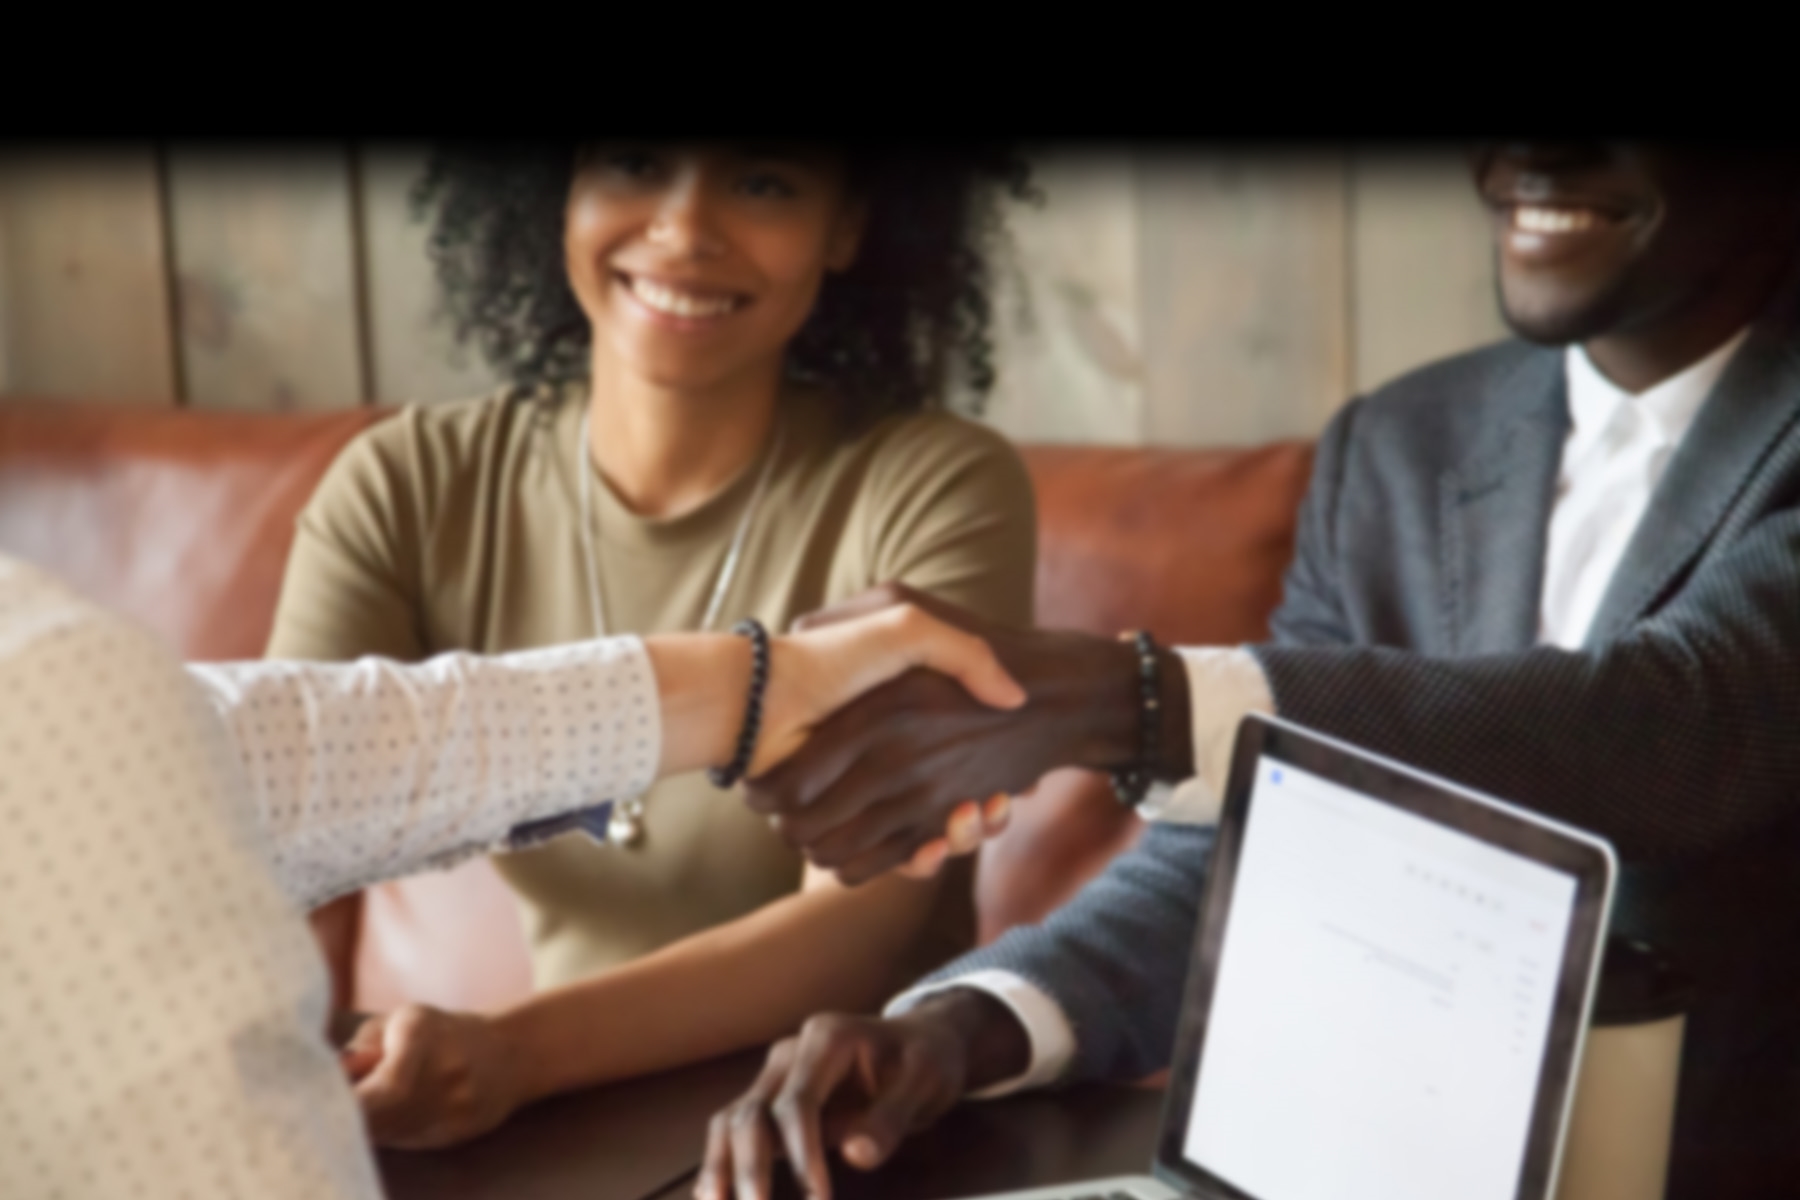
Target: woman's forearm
[(703, 682), (737, 985)]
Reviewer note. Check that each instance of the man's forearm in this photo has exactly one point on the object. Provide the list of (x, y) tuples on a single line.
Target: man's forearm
[(1104, 707)]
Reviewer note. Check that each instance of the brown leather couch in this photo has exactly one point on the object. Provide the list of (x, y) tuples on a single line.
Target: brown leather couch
[(183, 520)]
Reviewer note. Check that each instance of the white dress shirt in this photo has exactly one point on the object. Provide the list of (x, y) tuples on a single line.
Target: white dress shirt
[(162, 1004), (1612, 459)]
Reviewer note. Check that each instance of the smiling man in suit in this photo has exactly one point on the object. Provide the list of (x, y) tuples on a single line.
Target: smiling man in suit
[(1564, 569)]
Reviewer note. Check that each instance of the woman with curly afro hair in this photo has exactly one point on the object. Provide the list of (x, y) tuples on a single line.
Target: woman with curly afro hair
[(727, 368)]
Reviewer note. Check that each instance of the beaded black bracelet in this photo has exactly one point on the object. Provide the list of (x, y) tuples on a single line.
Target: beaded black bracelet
[(730, 773), (1130, 784)]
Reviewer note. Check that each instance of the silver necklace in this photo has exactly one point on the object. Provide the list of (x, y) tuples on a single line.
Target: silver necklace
[(625, 827)]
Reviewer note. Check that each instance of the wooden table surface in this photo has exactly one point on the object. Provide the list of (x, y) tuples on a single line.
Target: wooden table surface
[(626, 1141), (643, 1138)]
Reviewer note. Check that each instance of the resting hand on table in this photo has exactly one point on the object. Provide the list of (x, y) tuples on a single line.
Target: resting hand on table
[(427, 1078), (860, 1086), (879, 779)]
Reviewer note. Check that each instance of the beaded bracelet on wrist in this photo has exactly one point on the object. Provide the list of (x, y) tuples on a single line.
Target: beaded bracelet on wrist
[(1131, 784), (731, 772)]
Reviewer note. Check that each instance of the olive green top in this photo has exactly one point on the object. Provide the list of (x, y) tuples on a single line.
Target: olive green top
[(456, 527)]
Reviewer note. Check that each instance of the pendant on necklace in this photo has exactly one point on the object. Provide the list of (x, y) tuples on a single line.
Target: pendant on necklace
[(626, 825)]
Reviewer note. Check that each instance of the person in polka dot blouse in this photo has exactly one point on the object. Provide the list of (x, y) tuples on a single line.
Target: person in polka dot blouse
[(162, 1005)]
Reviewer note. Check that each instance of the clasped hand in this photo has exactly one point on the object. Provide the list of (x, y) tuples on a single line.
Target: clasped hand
[(878, 782)]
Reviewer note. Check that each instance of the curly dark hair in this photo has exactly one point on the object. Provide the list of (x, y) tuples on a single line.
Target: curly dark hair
[(883, 335)]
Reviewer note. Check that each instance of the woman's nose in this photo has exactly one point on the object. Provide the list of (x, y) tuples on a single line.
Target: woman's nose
[(684, 222)]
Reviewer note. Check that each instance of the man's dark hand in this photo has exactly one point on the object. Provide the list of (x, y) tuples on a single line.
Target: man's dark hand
[(880, 778), (859, 1084)]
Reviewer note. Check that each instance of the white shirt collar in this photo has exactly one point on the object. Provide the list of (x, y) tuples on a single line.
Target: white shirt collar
[(1595, 401)]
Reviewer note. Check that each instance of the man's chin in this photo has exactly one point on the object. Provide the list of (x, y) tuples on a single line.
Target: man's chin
[(1544, 333), (1554, 324)]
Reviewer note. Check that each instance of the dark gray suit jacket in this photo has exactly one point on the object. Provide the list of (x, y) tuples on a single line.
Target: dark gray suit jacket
[(1408, 625)]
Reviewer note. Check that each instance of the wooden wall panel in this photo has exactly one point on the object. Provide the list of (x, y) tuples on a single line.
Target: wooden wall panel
[(413, 354), (1066, 325), (266, 278), (84, 288), (1213, 297), (5, 369), (1422, 263), (1243, 263)]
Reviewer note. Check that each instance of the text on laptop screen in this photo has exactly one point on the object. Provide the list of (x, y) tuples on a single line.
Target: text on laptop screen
[(1383, 997)]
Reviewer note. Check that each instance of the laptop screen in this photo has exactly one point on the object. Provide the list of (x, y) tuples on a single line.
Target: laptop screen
[(1382, 1002)]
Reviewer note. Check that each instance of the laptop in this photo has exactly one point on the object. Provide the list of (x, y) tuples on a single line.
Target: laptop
[(1390, 985)]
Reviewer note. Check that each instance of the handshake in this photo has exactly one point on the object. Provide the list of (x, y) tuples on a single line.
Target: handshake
[(880, 719), (890, 715)]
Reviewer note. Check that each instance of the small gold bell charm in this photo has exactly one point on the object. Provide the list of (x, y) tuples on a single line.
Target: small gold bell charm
[(625, 828)]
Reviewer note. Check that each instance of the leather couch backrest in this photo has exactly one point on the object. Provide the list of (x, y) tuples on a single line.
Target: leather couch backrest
[(178, 518), (183, 520), (1188, 544)]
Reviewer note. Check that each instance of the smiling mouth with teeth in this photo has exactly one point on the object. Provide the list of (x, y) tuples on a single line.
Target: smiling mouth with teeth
[(1548, 219), (675, 302)]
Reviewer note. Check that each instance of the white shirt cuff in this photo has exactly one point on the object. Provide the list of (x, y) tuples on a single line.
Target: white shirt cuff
[(1225, 685), (1052, 1038)]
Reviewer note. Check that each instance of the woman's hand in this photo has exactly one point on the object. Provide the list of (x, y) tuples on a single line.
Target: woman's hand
[(702, 680), (973, 821), (919, 639), (427, 1078), (816, 671)]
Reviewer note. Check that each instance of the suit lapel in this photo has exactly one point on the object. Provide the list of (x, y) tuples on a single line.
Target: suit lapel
[(1753, 402), (1495, 510)]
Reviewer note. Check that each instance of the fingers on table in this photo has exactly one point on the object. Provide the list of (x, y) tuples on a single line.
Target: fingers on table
[(898, 1107), (740, 1145), (785, 1109), (831, 1050), (751, 1149)]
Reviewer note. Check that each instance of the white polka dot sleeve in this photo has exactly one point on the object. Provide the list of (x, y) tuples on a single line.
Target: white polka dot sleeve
[(160, 1001), (368, 770)]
